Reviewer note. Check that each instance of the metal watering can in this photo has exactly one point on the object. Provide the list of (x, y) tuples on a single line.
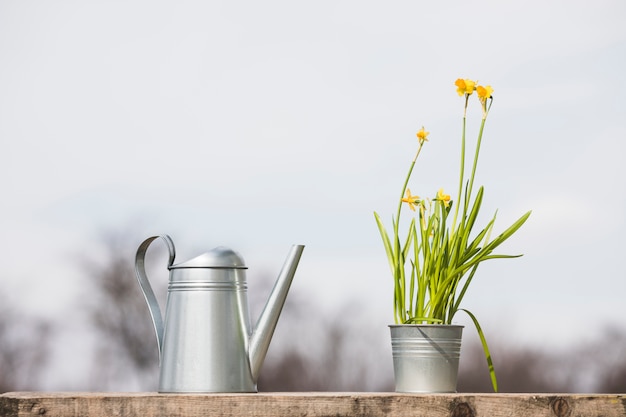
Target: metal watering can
[(205, 340)]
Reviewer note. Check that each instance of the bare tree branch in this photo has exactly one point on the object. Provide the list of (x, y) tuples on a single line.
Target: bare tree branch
[(24, 348)]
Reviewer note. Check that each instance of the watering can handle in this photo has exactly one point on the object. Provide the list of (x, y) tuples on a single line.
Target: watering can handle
[(146, 288)]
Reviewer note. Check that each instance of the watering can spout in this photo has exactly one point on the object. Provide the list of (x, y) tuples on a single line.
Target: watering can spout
[(264, 329)]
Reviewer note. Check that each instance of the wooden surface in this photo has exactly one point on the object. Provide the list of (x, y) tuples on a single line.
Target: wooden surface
[(309, 404)]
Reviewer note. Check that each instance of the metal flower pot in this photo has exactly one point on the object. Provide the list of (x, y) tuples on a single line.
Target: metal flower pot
[(426, 357)]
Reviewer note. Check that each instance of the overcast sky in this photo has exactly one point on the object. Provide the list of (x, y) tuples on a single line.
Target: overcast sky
[(259, 125)]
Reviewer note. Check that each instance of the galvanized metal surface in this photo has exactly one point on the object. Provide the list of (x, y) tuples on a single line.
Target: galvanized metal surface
[(426, 357), (205, 339)]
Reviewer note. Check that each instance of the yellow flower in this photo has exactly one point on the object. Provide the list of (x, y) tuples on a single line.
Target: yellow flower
[(464, 86), (412, 200), (441, 196), (484, 92), (422, 135)]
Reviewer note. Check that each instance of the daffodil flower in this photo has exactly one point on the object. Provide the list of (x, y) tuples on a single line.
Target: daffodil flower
[(484, 93), (422, 135), (411, 200), (441, 196), (464, 86)]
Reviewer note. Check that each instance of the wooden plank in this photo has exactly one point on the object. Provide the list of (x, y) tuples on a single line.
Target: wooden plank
[(22, 404)]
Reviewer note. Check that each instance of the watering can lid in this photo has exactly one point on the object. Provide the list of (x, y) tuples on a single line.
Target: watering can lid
[(220, 257)]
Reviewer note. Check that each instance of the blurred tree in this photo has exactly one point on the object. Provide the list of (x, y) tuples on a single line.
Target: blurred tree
[(126, 354), (595, 365), (311, 351), (615, 380), (518, 370), (326, 356), (608, 361), (24, 349)]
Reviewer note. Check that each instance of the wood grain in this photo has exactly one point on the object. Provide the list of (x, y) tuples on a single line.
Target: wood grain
[(320, 404)]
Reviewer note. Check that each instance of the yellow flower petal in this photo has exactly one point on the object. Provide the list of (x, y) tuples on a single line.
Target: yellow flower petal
[(484, 92), (441, 196), (464, 86), (422, 135), (411, 200)]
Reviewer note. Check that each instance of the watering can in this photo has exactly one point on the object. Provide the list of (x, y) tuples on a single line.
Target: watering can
[(205, 340)]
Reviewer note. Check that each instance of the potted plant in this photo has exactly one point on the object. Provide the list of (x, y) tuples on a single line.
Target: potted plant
[(434, 264)]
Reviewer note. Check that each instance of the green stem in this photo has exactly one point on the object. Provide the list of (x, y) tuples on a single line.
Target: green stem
[(458, 200), (406, 182), (480, 137), (399, 281)]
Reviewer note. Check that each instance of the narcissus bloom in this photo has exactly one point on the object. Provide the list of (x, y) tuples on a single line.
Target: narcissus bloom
[(441, 196), (464, 86), (484, 92), (422, 135), (411, 200)]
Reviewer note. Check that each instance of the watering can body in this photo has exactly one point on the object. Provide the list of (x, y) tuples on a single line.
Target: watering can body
[(205, 340)]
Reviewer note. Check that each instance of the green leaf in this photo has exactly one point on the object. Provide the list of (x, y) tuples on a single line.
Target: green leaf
[(386, 242), (508, 232), (483, 341), (463, 290), (475, 209), (409, 238)]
